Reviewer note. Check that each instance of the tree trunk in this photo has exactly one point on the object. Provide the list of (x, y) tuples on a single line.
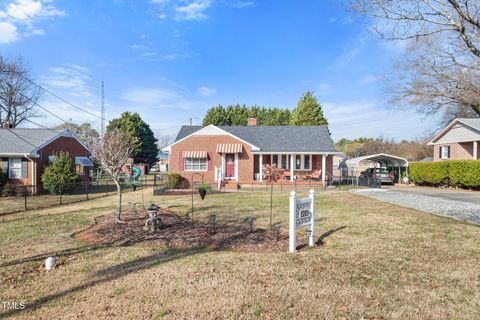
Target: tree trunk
[(119, 202)]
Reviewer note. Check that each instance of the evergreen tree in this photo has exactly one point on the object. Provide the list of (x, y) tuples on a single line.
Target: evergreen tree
[(237, 115), (216, 116), (308, 112), (60, 176), (146, 149)]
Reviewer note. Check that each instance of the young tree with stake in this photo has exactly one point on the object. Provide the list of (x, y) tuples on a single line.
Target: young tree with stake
[(112, 153)]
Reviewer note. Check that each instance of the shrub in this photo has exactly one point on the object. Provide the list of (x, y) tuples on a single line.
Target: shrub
[(174, 181), (455, 173), (8, 190), (60, 176), (3, 178)]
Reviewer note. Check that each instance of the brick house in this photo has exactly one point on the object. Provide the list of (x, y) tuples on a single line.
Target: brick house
[(24, 153), (458, 141), (238, 153)]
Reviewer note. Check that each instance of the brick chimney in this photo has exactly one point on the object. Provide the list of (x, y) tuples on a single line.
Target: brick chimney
[(251, 121)]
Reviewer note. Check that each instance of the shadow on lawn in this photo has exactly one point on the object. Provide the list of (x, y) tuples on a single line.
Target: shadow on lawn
[(112, 273), (62, 253), (321, 239)]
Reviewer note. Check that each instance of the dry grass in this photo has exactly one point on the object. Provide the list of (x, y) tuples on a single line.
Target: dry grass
[(377, 261)]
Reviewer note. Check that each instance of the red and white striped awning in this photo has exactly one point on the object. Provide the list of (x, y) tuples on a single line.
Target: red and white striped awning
[(195, 154), (229, 148)]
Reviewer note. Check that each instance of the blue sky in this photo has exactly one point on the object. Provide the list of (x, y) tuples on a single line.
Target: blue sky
[(171, 60)]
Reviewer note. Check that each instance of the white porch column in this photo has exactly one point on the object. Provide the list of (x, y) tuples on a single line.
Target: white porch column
[(324, 166), (475, 150), (292, 167), (260, 167)]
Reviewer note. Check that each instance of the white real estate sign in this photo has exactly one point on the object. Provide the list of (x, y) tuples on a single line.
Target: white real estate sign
[(302, 213)]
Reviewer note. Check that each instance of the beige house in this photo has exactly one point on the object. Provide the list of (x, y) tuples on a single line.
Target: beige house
[(458, 141)]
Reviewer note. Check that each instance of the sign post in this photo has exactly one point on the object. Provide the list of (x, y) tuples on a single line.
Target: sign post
[(302, 213)]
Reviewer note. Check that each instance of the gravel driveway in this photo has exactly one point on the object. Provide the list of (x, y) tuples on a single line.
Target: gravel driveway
[(436, 204)]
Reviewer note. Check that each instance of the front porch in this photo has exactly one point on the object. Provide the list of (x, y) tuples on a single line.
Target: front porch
[(295, 166)]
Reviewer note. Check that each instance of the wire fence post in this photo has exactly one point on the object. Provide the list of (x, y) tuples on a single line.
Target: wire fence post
[(86, 189), (60, 198), (25, 196), (106, 187)]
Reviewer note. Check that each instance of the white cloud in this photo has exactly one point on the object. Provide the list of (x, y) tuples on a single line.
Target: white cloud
[(350, 52), (35, 32), (8, 32), (206, 91), (243, 4), (24, 14), (192, 11), (156, 98), (369, 119), (370, 78), (74, 78)]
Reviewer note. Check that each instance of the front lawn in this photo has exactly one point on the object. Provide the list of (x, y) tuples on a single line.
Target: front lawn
[(374, 261)]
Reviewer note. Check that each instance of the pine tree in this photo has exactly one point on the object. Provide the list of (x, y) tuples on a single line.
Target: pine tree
[(308, 112), (60, 176)]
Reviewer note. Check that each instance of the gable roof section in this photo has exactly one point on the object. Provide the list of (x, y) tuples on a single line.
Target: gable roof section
[(29, 140), (471, 123), (276, 138), (23, 140)]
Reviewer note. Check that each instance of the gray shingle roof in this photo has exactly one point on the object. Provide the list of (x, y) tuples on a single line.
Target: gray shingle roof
[(23, 140), (277, 138), (473, 122)]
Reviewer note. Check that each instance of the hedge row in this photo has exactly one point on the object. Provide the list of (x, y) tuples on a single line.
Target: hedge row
[(454, 173)]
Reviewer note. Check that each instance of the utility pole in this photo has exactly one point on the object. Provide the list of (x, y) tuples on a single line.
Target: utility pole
[(103, 109)]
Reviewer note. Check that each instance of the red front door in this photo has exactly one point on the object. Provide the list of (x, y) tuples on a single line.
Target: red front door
[(229, 165)]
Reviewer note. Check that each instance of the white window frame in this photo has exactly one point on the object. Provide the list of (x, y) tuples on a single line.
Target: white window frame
[(193, 159), (10, 168), (443, 154), (285, 164), (302, 162)]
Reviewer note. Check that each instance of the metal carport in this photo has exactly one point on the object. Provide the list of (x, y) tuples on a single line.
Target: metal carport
[(359, 164)]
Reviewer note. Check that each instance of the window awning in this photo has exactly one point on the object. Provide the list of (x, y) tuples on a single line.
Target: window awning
[(229, 148), (195, 154), (83, 161)]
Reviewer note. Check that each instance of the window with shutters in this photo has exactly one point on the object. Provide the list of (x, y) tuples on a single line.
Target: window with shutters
[(15, 167), (445, 152), (195, 164)]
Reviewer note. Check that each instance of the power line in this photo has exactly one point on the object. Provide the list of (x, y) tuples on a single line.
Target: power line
[(28, 142), (55, 95)]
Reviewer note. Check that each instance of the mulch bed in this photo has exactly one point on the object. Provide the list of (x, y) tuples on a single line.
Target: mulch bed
[(177, 232)]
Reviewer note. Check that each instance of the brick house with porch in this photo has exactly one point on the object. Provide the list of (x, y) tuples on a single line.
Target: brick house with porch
[(237, 154), (25, 152)]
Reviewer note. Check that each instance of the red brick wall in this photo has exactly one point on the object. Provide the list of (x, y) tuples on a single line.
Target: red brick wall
[(209, 143), (25, 181), (61, 144)]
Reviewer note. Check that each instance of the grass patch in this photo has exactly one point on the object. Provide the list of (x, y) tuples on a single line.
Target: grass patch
[(376, 260)]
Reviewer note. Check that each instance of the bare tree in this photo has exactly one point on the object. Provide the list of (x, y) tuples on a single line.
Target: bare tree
[(441, 72), (164, 140), (112, 153), (18, 95), (84, 132)]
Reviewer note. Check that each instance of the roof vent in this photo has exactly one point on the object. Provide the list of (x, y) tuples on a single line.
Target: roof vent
[(251, 121)]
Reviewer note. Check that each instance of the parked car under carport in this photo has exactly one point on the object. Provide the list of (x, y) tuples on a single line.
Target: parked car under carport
[(379, 174)]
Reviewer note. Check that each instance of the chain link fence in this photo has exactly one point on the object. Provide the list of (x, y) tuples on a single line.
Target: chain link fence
[(14, 198)]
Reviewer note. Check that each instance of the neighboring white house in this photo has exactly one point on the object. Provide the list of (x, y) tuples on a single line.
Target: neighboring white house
[(458, 141)]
